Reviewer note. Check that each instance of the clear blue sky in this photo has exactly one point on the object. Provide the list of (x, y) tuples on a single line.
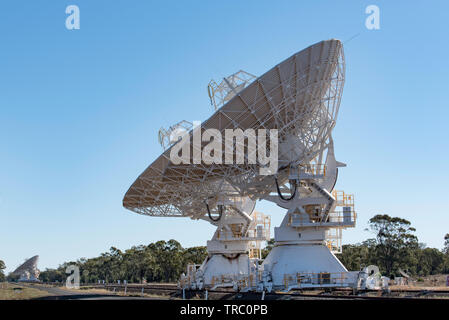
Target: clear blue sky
[(80, 110)]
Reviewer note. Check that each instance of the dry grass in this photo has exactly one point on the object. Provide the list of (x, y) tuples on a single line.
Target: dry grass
[(432, 282), (9, 291)]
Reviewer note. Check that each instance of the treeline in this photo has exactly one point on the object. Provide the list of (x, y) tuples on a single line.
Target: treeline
[(162, 261), (395, 249)]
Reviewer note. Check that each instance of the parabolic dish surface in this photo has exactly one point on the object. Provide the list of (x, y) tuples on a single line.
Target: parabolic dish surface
[(299, 97)]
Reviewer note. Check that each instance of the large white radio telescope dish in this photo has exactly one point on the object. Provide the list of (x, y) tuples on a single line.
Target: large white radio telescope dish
[(299, 97), (299, 100)]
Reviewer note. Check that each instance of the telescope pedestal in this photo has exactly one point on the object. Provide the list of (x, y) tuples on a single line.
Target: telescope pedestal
[(306, 263), (233, 254), (222, 271), (227, 264), (302, 256)]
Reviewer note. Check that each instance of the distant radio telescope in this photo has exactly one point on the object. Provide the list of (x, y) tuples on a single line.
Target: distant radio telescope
[(28, 271)]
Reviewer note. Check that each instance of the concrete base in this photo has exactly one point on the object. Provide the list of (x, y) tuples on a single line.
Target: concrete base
[(224, 270), (285, 262)]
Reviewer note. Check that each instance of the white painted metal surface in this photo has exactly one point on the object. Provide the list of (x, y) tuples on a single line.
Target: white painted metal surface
[(299, 97), (28, 271)]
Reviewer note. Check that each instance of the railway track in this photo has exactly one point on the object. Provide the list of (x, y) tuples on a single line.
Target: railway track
[(171, 290)]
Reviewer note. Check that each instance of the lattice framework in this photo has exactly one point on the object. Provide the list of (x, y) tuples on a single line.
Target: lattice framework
[(300, 98)]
